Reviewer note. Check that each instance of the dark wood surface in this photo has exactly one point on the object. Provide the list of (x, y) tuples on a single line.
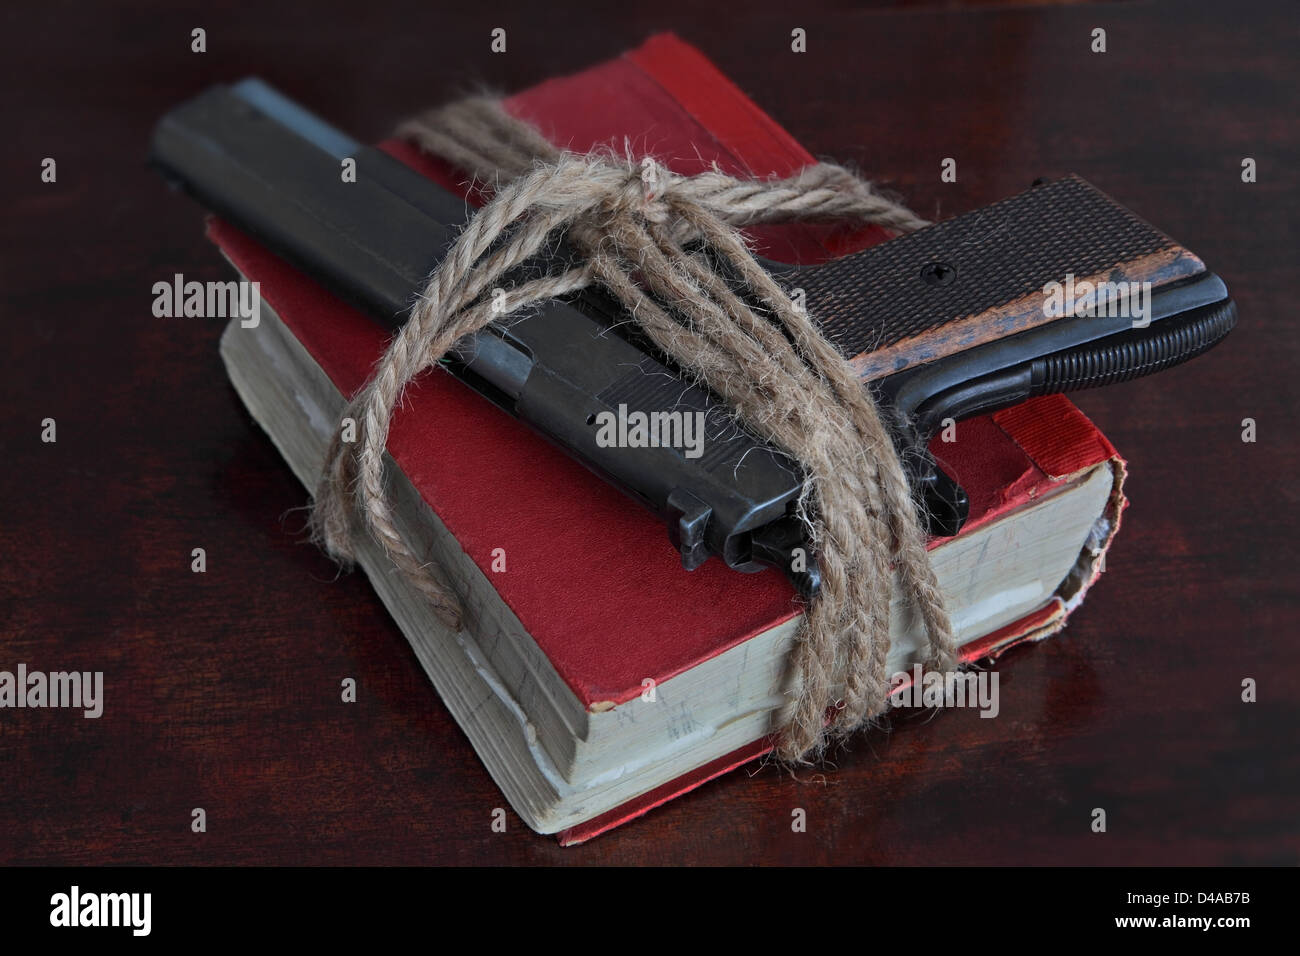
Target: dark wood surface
[(222, 689)]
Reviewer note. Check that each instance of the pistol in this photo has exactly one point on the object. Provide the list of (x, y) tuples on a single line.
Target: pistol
[(1054, 289)]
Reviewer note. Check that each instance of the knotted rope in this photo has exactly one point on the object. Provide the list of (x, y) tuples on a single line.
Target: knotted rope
[(667, 247)]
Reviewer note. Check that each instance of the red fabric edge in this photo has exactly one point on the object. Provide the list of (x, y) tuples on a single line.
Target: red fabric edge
[(1060, 439)]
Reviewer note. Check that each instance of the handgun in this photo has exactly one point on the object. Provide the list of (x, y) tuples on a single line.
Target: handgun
[(963, 317)]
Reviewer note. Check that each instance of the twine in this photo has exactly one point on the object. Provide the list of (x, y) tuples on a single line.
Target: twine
[(667, 247)]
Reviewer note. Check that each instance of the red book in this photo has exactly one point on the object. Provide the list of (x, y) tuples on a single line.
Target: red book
[(493, 484)]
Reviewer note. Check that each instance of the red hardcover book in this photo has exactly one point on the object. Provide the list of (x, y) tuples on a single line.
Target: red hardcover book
[(494, 484)]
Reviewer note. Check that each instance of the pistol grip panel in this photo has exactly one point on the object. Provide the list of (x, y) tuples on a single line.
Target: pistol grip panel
[(979, 277)]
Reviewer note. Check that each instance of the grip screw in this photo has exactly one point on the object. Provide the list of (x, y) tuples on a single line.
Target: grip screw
[(938, 273)]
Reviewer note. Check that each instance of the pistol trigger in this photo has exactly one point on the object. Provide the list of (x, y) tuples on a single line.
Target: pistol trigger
[(946, 503)]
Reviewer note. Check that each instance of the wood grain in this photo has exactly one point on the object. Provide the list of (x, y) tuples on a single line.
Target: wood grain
[(222, 689)]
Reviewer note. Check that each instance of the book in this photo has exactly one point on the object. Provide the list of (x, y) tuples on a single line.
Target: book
[(594, 676)]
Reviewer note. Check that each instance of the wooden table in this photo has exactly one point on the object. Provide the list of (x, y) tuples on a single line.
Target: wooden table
[(223, 687)]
